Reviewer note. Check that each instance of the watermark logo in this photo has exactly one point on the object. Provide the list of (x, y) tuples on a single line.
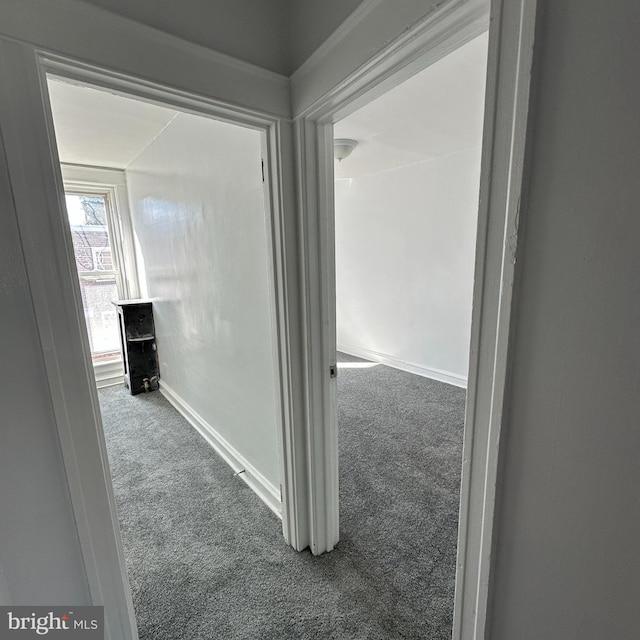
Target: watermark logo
[(29, 623)]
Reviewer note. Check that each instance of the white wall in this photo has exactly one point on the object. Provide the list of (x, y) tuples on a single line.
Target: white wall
[(405, 246), (40, 558), (567, 555), (197, 205)]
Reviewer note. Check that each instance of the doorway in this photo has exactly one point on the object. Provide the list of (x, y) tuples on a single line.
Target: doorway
[(171, 206), (406, 204), (507, 94)]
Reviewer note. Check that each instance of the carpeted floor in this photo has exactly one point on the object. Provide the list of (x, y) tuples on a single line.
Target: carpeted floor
[(207, 560)]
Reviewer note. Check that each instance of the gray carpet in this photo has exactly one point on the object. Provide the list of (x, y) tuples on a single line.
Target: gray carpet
[(207, 560)]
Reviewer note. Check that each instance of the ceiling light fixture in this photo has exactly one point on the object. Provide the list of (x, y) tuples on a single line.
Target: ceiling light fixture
[(342, 148)]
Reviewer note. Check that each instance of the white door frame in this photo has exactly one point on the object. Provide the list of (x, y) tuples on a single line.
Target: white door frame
[(29, 143), (511, 31)]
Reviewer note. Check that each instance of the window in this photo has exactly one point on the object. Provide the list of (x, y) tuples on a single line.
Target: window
[(97, 271)]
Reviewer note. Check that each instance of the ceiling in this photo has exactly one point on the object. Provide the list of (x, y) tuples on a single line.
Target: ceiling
[(437, 112), (102, 129), (256, 31), (273, 34)]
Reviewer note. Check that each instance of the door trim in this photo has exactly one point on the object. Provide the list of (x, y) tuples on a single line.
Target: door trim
[(511, 34)]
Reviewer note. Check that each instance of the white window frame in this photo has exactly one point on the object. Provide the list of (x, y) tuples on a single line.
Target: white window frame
[(112, 186)]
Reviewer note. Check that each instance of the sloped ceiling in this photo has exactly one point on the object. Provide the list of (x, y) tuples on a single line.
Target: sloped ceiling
[(101, 129), (437, 112)]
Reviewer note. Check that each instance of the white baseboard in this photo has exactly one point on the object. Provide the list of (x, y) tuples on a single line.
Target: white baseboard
[(418, 369), (267, 492), (108, 374)]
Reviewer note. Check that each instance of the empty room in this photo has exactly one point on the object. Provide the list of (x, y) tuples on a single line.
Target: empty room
[(406, 208)]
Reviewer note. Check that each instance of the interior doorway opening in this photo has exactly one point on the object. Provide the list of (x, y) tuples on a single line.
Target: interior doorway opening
[(171, 206), (407, 179)]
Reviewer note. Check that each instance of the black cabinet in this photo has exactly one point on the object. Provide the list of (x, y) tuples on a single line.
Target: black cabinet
[(138, 338)]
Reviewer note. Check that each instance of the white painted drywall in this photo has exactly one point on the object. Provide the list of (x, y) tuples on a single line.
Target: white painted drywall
[(568, 526), (40, 557), (406, 216), (197, 206), (405, 246)]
